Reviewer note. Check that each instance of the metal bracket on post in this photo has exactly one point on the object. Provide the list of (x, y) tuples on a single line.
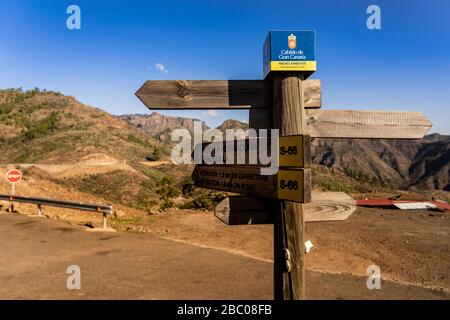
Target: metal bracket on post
[(287, 255)]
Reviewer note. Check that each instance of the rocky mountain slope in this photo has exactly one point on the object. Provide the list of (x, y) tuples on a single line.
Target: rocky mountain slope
[(50, 128), (53, 137), (430, 168), (232, 124), (160, 126), (421, 164)]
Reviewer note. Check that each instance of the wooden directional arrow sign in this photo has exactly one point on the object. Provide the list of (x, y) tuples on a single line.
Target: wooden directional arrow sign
[(293, 151), (366, 124), (292, 185), (218, 94), (355, 124), (324, 206)]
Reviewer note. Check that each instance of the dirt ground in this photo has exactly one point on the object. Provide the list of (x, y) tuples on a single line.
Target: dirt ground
[(410, 247), (125, 265)]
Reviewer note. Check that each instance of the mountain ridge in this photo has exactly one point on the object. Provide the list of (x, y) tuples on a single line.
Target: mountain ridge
[(160, 126)]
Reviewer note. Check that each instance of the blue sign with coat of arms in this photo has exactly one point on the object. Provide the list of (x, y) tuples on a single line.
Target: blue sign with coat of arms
[(289, 51)]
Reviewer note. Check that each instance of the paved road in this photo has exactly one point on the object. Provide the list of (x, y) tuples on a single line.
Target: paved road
[(35, 253)]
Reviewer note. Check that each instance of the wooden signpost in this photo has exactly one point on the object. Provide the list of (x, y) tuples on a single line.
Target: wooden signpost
[(284, 100)]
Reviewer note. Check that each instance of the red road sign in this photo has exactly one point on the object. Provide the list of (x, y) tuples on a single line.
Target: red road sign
[(13, 176)]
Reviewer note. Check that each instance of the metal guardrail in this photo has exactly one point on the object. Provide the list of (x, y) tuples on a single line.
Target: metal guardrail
[(104, 209)]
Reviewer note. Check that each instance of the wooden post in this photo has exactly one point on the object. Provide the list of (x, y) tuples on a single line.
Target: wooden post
[(289, 117), (13, 191), (105, 223)]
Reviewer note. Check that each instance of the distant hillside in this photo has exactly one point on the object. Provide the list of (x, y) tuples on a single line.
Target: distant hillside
[(48, 127), (430, 168), (56, 138), (232, 124), (422, 164), (160, 126)]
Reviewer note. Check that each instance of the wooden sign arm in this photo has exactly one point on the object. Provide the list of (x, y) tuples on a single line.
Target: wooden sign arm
[(218, 94)]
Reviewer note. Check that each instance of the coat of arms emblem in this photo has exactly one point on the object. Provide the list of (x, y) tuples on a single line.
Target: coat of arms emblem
[(292, 41)]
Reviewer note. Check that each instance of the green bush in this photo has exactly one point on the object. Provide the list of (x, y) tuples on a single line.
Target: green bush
[(155, 155), (144, 199), (136, 140), (187, 186), (166, 204), (153, 173), (204, 201), (21, 95), (6, 108), (167, 190), (337, 186), (47, 125)]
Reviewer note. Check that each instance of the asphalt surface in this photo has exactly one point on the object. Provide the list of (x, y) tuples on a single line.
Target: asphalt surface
[(36, 252)]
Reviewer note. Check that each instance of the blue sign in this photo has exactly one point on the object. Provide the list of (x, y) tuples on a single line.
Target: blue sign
[(289, 51)]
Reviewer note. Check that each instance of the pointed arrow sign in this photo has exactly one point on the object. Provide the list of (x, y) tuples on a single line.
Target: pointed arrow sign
[(367, 124), (354, 124), (218, 94)]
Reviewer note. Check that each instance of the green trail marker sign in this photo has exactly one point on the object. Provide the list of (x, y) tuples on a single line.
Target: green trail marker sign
[(285, 100)]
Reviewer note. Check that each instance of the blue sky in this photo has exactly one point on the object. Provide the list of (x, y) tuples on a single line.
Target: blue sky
[(403, 66)]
